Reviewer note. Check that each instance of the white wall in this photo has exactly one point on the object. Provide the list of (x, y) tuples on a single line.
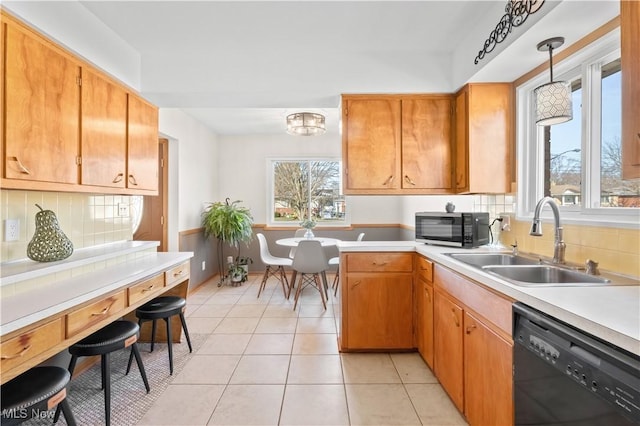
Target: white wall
[(193, 164)]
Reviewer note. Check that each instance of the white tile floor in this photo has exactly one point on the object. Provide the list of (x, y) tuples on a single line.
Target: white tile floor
[(266, 364)]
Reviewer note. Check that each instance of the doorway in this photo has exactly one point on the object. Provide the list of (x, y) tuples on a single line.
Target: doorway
[(153, 224)]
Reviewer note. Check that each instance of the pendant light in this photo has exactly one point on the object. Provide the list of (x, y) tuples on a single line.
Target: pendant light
[(553, 99), (305, 124)]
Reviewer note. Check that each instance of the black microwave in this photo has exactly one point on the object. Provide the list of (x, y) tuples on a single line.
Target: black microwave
[(464, 230)]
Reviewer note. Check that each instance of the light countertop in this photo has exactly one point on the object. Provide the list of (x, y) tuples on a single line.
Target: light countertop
[(35, 302), (609, 312)]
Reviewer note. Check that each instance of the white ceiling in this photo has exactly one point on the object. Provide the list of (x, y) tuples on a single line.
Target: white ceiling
[(240, 67)]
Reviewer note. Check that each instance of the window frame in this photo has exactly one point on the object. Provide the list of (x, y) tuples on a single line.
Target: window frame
[(346, 221), (586, 64)]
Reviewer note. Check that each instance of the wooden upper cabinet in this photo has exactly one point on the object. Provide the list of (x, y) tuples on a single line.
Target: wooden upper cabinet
[(142, 143), (371, 144), (484, 138), (630, 38), (426, 143), (104, 131), (66, 126), (397, 144), (41, 100)]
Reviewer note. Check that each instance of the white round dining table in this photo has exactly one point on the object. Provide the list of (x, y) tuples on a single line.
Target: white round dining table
[(293, 242)]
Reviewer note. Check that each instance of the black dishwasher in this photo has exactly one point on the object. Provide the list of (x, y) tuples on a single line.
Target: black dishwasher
[(563, 376)]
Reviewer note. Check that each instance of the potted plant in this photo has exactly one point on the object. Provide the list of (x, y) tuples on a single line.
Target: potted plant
[(231, 224), (308, 224)]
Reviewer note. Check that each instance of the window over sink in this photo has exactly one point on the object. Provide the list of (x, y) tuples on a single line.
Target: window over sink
[(579, 162)]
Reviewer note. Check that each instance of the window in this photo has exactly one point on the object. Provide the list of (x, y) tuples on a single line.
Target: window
[(579, 162), (309, 188)]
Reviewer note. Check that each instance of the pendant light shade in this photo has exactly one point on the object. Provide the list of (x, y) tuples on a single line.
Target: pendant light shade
[(553, 103), (305, 124), (553, 99)]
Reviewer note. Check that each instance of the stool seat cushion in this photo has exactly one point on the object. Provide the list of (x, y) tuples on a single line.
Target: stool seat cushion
[(35, 385), (161, 307), (108, 339)]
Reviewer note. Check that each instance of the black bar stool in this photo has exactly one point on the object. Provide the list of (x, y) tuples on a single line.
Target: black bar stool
[(115, 336), (163, 307), (34, 392)]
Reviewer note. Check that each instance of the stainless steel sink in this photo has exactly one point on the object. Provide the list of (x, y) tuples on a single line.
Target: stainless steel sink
[(530, 271), (485, 259), (537, 275)]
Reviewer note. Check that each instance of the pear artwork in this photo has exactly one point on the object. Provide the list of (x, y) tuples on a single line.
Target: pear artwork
[(49, 242)]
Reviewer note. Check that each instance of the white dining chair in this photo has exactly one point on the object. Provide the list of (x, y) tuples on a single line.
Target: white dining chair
[(272, 261), (335, 261), (298, 234), (310, 263)]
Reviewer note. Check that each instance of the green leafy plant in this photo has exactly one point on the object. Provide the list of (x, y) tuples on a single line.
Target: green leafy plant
[(308, 224), (230, 223)]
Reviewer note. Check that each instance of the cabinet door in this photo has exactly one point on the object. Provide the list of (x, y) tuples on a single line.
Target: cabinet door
[(629, 38), (379, 311), (448, 343), (484, 136), (371, 144), (462, 153), (142, 145), (104, 131), (42, 110), (426, 143), (426, 324), (488, 397)]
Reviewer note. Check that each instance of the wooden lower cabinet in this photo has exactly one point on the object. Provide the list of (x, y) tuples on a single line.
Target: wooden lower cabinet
[(473, 348), (379, 311), (448, 353), (376, 301), (424, 310), (488, 381)]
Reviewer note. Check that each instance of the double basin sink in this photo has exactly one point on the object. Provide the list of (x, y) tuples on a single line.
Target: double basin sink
[(532, 272)]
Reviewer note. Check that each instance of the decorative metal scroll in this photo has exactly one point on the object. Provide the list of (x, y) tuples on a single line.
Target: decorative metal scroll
[(516, 13)]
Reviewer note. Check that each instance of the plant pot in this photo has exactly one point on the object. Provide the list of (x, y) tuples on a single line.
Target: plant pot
[(309, 234)]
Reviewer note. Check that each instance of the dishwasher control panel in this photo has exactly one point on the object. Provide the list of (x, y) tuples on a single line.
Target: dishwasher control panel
[(594, 365)]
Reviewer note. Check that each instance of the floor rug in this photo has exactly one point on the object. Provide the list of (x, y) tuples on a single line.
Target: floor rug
[(129, 399)]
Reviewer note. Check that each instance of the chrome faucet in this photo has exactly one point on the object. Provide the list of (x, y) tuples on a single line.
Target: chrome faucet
[(536, 228)]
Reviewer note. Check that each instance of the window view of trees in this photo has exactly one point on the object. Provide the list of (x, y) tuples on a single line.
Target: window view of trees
[(563, 150), (307, 189)]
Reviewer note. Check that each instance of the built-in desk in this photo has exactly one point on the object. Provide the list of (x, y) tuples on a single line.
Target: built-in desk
[(40, 319)]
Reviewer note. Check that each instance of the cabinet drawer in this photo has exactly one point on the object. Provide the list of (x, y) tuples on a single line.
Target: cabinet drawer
[(145, 289), (425, 269), (94, 313), (380, 262), (177, 274), (30, 344)]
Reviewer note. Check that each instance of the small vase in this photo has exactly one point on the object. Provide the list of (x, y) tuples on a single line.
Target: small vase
[(309, 234)]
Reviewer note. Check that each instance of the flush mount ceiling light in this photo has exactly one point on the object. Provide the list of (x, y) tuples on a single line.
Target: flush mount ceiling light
[(553, 99), (305, 124)]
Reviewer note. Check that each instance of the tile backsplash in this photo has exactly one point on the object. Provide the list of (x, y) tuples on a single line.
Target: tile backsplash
[(86, 219), (615, 249)]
